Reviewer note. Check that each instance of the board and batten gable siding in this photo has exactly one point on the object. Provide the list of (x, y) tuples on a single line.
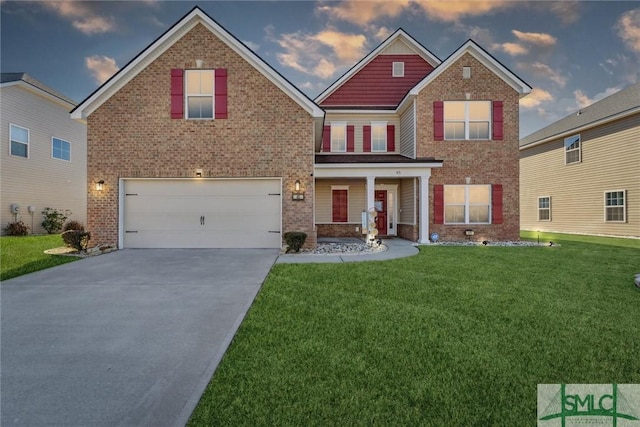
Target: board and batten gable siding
[(266, 134), (359, 121), (41, 180), (408, 132), (610, 159)]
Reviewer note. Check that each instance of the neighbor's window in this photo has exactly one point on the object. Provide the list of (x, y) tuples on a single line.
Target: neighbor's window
[(572, 149), (19, 141), (60, 149), (467, 204), (544, 208), (398, 69), (339, 137), (379, 136), (467, 119), (614, 207), (199, 94), (340, 205)]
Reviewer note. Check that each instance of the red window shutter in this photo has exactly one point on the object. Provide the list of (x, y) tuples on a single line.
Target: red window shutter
[(326, 139), (177, 93), (496, 204), (220, 88), (350, 139), (391, 138), (497, 120), (438, 204), (339, 206), (366, 138), (438, 120)]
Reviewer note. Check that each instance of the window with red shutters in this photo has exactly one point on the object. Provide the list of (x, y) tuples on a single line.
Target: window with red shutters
[(201, 87), (496, 204), (339, 205), (438, 204), (438, 120), (366, 138), (497, 125)]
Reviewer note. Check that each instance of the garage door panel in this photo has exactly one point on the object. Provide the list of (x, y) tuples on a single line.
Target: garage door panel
[(202, 213)]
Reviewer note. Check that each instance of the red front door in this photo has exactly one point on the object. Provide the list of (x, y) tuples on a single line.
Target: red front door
[(381, 208)]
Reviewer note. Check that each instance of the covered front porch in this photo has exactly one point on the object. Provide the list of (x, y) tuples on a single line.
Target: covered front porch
[(396, 187)]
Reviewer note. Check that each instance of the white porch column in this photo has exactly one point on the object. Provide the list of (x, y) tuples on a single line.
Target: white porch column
[(424, 208), (371, 186)]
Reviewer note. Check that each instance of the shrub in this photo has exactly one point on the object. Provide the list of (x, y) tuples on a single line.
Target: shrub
[(54, 219), (17, 228), (73, 225), (295, 240), (76, 239)]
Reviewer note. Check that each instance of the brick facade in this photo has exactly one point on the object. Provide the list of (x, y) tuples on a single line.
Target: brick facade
[(485, 161), (132, 135)]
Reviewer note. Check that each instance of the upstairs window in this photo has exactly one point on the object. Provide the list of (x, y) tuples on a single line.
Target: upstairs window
[(19, 141), (379, 137), (199, 94), (572, 149), (398, 69), (544, 208), (614, 206), (339, 137), (467, 119), (467, 204), (60, 149)]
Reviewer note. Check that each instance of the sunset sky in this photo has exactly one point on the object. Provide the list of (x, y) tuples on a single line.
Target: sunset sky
[(571, 53)]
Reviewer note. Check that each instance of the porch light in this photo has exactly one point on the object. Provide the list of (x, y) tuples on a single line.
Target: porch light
[(198, 173), (100, 185), (297, 193)]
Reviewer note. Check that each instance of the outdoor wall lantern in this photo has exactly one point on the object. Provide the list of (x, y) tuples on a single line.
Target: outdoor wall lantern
[(297, 193), (198, 173), (100, 185)]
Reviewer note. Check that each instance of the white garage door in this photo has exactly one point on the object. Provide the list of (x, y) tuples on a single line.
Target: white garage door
[(201, 213)]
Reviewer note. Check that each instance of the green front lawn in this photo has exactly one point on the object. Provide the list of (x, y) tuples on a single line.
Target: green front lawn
[(455, 336), (25, 254)]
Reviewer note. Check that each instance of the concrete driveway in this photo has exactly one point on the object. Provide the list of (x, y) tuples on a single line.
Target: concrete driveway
[(129, 338)]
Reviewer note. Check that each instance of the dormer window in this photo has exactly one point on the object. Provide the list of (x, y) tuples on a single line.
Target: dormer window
[(398, 69)]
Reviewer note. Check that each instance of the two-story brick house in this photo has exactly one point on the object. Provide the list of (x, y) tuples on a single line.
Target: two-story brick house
[(197, 142), (431, 145)]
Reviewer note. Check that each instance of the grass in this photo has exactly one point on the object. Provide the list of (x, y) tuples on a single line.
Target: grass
[(452, 336), (25, 254)]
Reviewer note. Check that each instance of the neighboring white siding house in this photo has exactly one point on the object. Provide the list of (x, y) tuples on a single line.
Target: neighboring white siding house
[(43, 155)]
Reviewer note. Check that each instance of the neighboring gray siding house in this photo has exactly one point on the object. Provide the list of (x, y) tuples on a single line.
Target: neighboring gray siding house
[(581, 174), (43, 155)]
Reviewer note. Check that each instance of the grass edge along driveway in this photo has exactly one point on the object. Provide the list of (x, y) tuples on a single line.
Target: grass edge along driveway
[(25, 254), (452, 336)]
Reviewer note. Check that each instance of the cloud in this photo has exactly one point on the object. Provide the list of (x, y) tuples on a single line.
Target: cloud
[(101, 67), (543, 70), (535, 98), (380, 34), (82, 17), (628, 27), (538, 39), (364, 12), (512, 49), (567, 11), (321, 54), (583, 101)]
